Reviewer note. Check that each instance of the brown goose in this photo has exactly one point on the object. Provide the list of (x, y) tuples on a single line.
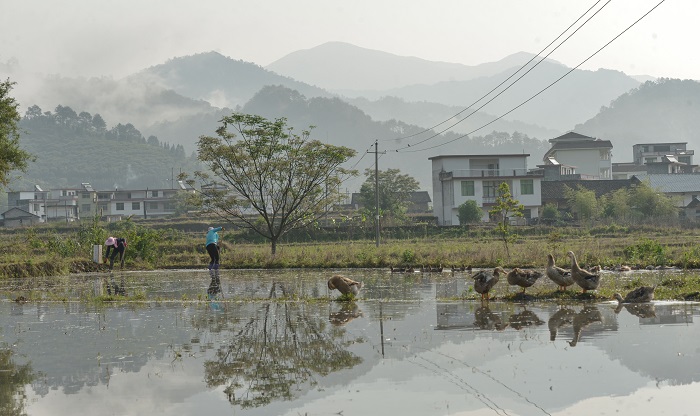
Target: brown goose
[(584, 278), (639, 295), (558, 275), (344, 284), (485, 280), (523, 278)]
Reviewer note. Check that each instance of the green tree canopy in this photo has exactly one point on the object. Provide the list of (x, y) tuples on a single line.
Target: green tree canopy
[(12, 157), (395, 191), (582, 201), (469, 212), (273, 180)]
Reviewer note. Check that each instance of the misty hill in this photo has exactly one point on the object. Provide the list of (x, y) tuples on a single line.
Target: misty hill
[(431, 114), (72, 148), (667, 110), (340, 123), (576, 97), (357, 72), (341, 67), (219, 80)]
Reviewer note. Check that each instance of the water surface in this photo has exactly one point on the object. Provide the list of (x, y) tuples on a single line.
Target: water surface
[(269, 343)]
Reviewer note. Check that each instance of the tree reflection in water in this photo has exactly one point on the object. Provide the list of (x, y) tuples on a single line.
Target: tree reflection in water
[(13, 378), (281, 348)]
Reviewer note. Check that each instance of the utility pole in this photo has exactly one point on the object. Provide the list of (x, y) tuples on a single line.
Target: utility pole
[(376, 185)]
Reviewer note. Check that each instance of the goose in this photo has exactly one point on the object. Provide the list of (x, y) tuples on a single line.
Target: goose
[(584, 278), (639, 295), (523, 278), (344, 284), (558, 275), (485, 280)]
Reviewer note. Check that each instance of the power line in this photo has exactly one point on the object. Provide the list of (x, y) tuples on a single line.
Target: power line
[(542, 90), (516, 80), (512, 75)]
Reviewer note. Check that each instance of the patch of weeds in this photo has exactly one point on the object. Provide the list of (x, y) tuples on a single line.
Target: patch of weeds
[(347, 297), (647, 252)]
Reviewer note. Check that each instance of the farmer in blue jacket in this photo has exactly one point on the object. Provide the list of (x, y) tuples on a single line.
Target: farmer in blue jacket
[(213, 246)]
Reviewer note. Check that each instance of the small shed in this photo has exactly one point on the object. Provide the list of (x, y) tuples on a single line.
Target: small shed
[(17, 217)]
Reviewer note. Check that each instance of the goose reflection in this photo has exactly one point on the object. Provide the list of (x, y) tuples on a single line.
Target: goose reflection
[(348, 311), (524, 319), (562, 317), (642, 310), (484, 318), (588, 315)]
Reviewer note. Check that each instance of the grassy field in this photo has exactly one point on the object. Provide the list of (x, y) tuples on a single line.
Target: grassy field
[(58, 250)]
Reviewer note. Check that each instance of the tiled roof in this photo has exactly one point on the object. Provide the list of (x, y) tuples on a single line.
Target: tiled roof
[(554, 190), (672, 183), (571, 136)]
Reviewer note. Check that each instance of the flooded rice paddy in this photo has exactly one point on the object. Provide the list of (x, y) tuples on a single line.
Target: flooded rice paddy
[(270, 343)]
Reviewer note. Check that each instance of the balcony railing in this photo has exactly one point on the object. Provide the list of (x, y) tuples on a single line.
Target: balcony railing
[(483, 173)]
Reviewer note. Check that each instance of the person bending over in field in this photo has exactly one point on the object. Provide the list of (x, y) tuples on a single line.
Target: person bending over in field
[(116, 246)]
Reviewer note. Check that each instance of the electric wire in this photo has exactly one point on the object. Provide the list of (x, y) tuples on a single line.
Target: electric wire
[(511, 84), (506, 80), (538, 93)]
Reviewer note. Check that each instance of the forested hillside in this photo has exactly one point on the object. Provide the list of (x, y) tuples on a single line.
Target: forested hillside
[(72, 148), (339, 123), (667, 110)]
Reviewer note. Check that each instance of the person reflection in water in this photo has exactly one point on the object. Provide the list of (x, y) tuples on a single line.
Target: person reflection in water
[(214, 290), (116, 289)]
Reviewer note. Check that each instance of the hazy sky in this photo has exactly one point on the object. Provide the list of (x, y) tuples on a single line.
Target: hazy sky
[(119, 37)]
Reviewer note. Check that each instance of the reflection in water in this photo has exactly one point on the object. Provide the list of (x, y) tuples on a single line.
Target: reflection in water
[(348, 311), (275, 353), (115, 289), (290, 358), (559, 319), (524, 319), (485, 319), (588, 315), (13, 379), (642, 310)]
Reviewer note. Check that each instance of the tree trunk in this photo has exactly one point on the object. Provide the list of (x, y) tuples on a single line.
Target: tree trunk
[(273, 244)]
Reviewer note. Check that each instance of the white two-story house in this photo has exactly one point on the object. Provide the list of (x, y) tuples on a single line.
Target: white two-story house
[(460, 178), (591, 157)]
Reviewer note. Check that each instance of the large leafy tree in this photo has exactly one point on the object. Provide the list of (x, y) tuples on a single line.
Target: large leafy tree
[(273, 180), (12, 157), (395, 191)]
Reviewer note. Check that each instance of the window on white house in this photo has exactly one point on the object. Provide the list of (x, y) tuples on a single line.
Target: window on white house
[(527, 187), (135, 206), (152, 205), (490, 189), (154, 194), (467, 188), (120, 206)]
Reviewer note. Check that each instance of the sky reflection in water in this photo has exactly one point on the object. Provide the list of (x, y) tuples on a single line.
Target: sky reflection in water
[(397, 349)]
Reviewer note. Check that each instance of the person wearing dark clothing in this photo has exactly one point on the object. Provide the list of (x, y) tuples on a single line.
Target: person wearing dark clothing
[(213, 246), (116, 246)]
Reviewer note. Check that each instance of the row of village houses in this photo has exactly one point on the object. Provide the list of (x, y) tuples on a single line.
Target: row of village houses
[(573, 159)]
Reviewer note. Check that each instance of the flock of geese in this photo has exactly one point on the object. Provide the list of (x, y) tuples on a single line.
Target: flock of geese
[(587, 280), (485, 280)]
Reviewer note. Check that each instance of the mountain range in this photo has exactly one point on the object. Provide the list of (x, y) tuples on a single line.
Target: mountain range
[(355, 96)]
